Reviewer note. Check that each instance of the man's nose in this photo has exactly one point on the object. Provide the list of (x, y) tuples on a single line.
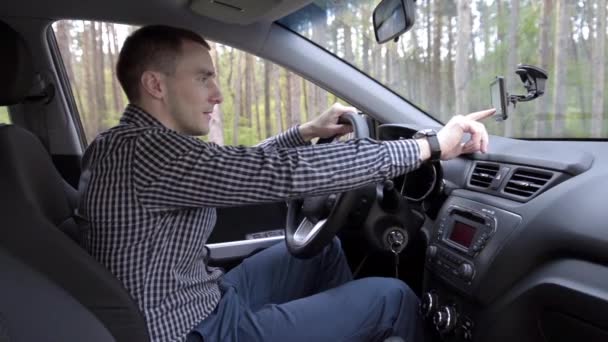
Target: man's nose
[(216, 95)]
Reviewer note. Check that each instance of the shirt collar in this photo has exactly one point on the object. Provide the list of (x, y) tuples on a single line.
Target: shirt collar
[(135, 115)]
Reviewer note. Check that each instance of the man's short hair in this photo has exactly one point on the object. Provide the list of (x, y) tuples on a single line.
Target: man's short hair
[(154, 47)]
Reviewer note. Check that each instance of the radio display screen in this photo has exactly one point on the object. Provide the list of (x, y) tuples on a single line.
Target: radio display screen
[(462, 234)]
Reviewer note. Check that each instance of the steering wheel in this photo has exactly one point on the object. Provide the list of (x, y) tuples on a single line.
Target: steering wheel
[(323, 215)]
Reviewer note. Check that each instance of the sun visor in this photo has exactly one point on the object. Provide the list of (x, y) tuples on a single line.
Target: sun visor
[(245, 12)]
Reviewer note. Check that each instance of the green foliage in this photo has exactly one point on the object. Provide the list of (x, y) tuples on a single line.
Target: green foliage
[(4, 117)]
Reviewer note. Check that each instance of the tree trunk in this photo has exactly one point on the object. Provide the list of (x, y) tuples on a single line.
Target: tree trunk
[(311, 103), (64, 41), (267, 90), (100, 76), (348, 44), (388, 68), (293, 98), (278, 98), (512, 58), (377, 63), (436, 65), (113, 53), (500, 15), (321, 99), (544, 51), (461, 77), (561, 59), (599, 54), (237, 101), (366, 53), (450, 72), (428, 67), (256, 105), (90, 112), (580, 78), (99, 73), (416, 70), (248, 89), (216, 125)]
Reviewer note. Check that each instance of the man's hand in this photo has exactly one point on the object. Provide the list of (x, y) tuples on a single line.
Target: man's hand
[(450, 136), (326, 125)]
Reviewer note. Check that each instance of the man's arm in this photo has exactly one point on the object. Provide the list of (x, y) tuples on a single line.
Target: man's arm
[(290, 138), (323, 126), (172, 171)]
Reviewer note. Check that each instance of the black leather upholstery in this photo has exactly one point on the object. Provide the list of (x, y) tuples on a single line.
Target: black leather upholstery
[(34, 203), (16, 67)]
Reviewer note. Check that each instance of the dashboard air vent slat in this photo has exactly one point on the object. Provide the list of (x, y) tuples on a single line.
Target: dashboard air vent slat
[(527, 182), (483, 174)]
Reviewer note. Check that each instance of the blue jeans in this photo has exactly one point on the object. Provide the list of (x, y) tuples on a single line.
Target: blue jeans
[(273, 296)]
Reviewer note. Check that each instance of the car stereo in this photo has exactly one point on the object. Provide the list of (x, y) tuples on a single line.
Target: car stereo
[(465, 230), (461, 235)]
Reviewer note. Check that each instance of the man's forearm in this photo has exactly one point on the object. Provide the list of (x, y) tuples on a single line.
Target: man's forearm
[(425, 149), (306, 131)]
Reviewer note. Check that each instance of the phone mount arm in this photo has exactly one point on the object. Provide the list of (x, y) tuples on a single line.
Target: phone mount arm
[(534, 79)]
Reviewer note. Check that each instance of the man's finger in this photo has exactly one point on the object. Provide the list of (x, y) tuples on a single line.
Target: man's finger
[(476, 130), (485, 140), (348, 110), (482, 114)]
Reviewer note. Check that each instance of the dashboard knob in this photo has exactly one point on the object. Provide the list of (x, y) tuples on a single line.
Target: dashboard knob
[(445, 319), (428, 304), (466, 271)]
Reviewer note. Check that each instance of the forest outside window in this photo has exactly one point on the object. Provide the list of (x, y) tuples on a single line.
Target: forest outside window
[(4, 115), (445, 64), (261, 99)]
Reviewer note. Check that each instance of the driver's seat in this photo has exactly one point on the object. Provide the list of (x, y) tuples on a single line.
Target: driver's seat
[(51, 289)]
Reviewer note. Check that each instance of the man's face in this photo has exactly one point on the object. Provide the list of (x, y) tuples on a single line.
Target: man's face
[(192, 91)]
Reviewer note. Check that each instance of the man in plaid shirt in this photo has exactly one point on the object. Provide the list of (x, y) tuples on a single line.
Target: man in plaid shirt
[(154, 187)]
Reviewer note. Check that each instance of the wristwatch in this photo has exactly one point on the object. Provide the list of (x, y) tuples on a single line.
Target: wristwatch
[(431, 137)]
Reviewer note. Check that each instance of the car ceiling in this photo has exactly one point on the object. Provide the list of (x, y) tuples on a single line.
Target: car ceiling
[(220, 21)]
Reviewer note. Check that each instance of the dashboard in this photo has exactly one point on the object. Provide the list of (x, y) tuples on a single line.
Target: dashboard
[(516, 240)]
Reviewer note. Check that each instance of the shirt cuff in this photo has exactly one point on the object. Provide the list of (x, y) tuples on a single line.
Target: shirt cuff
[(291, 138), (404, 154)]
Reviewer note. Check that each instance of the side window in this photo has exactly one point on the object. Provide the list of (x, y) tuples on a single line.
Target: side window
[(261, 99), (4, 117)]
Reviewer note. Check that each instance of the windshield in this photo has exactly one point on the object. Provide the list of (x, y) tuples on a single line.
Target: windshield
[(456, 48)]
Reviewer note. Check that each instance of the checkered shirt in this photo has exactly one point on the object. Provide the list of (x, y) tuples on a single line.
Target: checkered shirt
[(152, 193)]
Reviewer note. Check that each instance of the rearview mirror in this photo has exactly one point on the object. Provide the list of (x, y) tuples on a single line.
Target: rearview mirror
[(392, 18)]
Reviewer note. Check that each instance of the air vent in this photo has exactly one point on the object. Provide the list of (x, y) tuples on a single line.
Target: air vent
[(483, 174), (527, 182)]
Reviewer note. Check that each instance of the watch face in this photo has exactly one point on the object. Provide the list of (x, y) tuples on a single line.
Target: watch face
[(424, 133)]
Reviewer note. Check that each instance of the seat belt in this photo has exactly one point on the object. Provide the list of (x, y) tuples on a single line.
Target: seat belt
[(80, 216)]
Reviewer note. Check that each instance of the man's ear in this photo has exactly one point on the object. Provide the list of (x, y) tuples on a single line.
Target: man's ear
[(152, 83)]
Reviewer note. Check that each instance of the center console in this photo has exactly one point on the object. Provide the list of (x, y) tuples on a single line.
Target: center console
[(463, 241)]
